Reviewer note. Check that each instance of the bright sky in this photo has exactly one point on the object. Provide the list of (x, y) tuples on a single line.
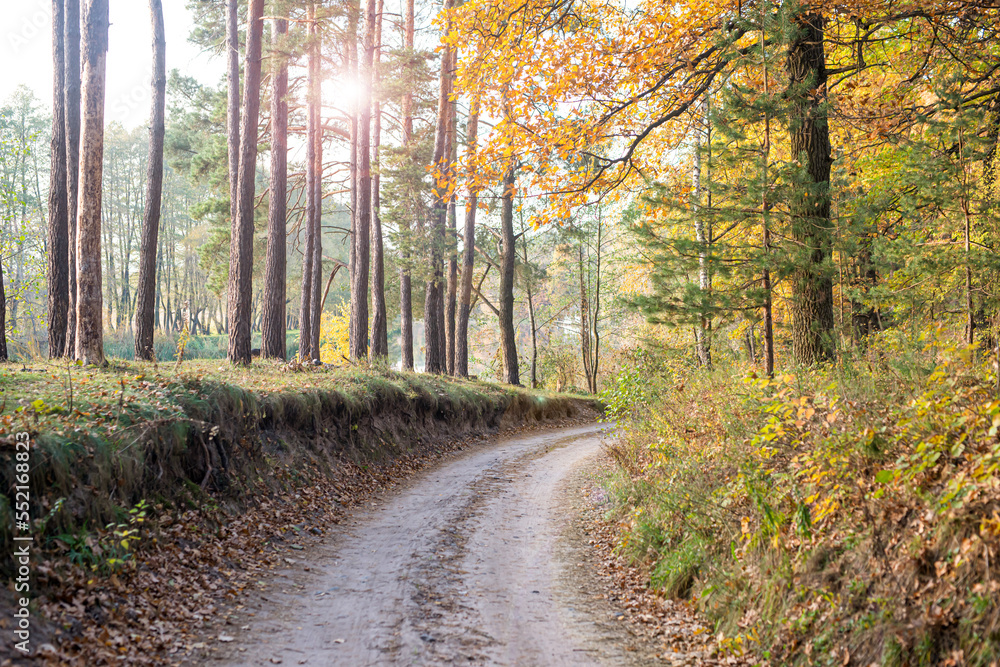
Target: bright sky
[(26, 52)]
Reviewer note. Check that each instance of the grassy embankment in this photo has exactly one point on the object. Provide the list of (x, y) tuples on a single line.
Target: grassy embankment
[(844, 515), (177, 437)]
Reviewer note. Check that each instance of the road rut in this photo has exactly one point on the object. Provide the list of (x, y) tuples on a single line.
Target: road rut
[(468, 563)]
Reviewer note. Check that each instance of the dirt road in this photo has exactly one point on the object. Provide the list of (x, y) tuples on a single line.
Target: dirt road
[(471, 562)]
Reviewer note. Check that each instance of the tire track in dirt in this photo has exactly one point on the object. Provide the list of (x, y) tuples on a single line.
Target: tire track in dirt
[(468, 563)]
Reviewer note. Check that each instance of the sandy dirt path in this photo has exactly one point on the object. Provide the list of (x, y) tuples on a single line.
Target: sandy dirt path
[(471, 562)]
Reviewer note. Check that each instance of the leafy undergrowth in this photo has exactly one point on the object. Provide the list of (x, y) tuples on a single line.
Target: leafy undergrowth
[(160, 492), (845, 515), (668, 628)]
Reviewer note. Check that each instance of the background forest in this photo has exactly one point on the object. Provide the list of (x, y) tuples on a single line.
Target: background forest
[(704, 218), (559, 271), (764, 231)]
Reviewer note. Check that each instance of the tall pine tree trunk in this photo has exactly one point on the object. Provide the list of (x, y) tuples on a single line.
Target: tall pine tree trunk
[(58, 227), (309, 284), (351, 61), (146, 296), (72, 112), (317, 266), (405, 281), (233, 104), (240, 288), (468, 253), (508, 336), (89, 303), (380, 339), (273, 331), (809, 132), (380, 334), (308, 257), (362, 232), (434, 300), (433, 354)]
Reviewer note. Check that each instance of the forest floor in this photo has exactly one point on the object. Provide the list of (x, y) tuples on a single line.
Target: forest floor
[(499, 555)]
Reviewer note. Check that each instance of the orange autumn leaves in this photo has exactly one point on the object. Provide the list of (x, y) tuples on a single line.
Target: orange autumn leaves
[(566, 84), (592, 98)]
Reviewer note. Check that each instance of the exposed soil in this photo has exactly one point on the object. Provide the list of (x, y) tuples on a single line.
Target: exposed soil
[(482, 560)]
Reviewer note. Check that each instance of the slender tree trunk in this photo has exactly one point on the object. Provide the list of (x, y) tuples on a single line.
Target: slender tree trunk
[(273, 332), (405, 282), (309, 285), (315, 111), (768, 308), (380, 337), (585, 317), (433, 354), (809, 132), (531, 309), (468, 253), (970, 315), (233, 105), (434, 334), (3, 318), (354, 11), (72, 112), (595, 360), (89, 303), (765, 208), (447, 225), (353, 175), (699, 234), (240, 290), (317, 267), (864, 318), (970, 319), (508, 337), (406, 316), (58, 227), (452, 247), (308, 275), (439, 300), (146, 297), (362, 233), (703, 236)]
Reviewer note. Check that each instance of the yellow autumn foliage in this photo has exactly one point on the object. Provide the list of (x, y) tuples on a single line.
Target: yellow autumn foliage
[(334, 335)]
